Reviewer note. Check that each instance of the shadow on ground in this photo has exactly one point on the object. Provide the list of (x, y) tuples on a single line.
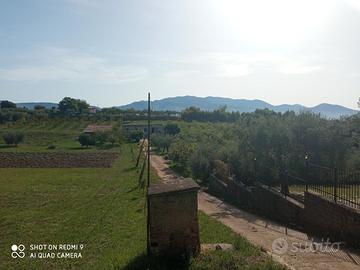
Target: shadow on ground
[(5, 146), (144, 262)]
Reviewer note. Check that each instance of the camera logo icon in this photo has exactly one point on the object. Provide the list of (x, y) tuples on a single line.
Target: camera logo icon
[(18, 251), (280, 246)]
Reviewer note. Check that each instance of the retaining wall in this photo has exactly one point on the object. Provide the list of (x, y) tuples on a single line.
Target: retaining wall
[(278, 207), (328, 219), (317, 216)]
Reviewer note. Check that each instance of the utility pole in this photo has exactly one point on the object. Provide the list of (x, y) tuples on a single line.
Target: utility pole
[(148, 143), (148, 178)]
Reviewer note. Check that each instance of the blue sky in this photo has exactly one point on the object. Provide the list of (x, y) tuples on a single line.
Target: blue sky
[(112, 52)]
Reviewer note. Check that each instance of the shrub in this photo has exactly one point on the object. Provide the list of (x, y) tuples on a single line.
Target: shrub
[(51, 147), (136, 136), (13, 138), (86, 139), (101, 138), (172, 129), (112, 139)]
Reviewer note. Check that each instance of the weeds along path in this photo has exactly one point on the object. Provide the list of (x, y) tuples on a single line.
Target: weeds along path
[(263, 233)]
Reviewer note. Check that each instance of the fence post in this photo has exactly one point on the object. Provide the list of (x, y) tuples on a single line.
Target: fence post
[(335, 183), (284, 189), (307, 171), (254, 169)]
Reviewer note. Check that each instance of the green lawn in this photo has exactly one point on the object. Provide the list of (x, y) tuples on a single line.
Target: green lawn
[(102, 209), (39, 136)]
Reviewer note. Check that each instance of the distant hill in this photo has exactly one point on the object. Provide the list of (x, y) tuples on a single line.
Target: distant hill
[(241, 105), (31, 105)]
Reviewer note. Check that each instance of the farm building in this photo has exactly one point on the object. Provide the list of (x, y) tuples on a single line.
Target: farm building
[(94, 109), (91, 129), (155, 128)]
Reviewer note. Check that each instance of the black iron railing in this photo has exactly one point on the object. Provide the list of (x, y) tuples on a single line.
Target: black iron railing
[(342, 186), (339, 185)]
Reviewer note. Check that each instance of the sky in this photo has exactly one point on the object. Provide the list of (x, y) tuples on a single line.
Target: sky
[(112, 52)]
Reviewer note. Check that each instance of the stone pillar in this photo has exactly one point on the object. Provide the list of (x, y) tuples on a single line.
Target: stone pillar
[(173, 218)]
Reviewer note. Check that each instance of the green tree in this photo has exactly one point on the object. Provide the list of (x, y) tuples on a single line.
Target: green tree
[(39, 108), (136, 136), (71, 106), (172, 129), (200, 161), (162, 142), (117, 135), (102, 137), (6, 104), (86, 139), (14, 137)]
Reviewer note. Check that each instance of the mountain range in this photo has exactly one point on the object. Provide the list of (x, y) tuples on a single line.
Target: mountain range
[(241, 105)]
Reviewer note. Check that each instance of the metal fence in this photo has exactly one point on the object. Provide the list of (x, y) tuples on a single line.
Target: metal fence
[(339, 185)]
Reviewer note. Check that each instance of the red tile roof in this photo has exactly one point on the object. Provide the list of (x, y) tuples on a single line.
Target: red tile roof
[(97, 128)]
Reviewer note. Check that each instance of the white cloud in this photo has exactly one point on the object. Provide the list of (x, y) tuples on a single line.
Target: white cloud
[(233, 70), (298, 68), (56, 64), (182, 73), (232, 65)]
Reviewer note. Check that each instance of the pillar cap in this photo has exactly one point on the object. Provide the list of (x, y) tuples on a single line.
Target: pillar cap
[(176, 185)]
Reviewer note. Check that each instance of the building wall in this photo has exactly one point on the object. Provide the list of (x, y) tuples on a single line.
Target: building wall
[(174, 228)]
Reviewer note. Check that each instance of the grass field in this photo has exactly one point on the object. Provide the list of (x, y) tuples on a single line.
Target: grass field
[(62, 134), (102, 209)]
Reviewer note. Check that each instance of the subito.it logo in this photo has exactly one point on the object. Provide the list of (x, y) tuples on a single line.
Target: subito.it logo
[(18, 251)]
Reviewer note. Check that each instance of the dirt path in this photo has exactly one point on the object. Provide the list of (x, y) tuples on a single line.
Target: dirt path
[(293, 245)]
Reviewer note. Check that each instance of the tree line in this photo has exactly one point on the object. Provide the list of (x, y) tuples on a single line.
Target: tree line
[(77, 108), (267, 142)]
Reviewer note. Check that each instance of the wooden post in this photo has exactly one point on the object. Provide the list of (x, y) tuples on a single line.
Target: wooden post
[(140, 151), (307, 172)]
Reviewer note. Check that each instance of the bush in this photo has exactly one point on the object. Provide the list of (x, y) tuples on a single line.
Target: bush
[(101, 138), (112, 139), (14, 138), (51, 147), (136, 136), (172, 129), (86, 139)]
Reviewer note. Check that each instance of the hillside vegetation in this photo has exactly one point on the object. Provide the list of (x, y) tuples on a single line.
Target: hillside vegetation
[(277, 142), (39, 135)]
